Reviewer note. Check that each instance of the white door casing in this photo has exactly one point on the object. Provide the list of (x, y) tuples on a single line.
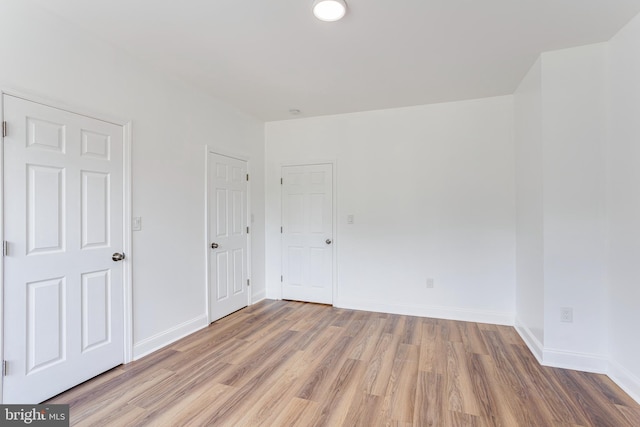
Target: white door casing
[(307, 233), (63, 219), (228, 235)]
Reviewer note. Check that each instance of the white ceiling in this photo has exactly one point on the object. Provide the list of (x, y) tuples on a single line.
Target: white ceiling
[(268, 56)]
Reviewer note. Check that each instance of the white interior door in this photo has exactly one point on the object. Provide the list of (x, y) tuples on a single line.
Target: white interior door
[(228, 232), (63, 297), (307, 233)]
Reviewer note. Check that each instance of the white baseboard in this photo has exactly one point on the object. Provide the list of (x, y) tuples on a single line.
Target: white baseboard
[(556, 358), (581, 362), (625, 380), (162, 339), (258, 297), (450, 313), (272, 294), (585, 362), (535, 346)]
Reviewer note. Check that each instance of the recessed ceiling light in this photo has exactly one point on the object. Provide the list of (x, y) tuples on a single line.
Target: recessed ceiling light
[(329, 10), (294, 111)]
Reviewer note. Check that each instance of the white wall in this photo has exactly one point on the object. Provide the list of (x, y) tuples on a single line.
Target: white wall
[(171, 126), (574, 137), (432, 191), (624, 207), (560, 128), (529, 194)]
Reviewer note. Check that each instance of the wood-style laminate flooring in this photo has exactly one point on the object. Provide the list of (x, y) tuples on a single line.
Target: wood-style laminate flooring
[(282, 363)]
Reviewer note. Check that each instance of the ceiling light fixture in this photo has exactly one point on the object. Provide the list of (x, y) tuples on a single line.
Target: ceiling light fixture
[(329, 10)]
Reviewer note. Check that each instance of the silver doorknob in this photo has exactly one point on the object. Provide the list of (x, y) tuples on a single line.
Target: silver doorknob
[(328, 241), (214, 246), (117, 256)]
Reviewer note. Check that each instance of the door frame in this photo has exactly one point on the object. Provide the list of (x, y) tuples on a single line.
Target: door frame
[(127, 273), (334, 219), (207, 232)]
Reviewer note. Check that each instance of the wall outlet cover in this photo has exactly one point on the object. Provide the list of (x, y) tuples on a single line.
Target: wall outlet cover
[(566, 314)]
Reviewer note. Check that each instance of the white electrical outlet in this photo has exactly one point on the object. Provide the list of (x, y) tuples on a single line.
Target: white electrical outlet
[(430, 282), (350, 219), (566, 314)]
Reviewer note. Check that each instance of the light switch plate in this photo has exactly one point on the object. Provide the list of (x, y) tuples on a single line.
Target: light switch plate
[(136, 224)]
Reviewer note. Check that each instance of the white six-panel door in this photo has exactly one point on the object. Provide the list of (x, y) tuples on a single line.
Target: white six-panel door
[(63, 298), (307, 233), (228, 288)]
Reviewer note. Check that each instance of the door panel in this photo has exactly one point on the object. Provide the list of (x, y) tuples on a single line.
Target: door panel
[(46, 335), (96, 145), (63, 306), (237, 212), (45, 135), (45, 209), (96, 322), (228, 224), (307, 235), (95, 209)]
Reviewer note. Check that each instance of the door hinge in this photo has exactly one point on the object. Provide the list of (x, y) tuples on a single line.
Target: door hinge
[(5, 248), (281, 181), (4, 129), (4, 368), (247, 177), (248, 282), (247, 230), (281, 230), (281, 279)]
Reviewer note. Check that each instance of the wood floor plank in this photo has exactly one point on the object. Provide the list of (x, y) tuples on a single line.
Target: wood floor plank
[(609, 389), (334, 406), (296, 413), (284, 363), (458, 381), (499, 409), (462, 420), (450, 330), (589, 399), (234, 404), (554, 401), (304, 318), (358, 322), (429, 346), (413, 331), (118, 398), (429, 407), (80, 393), (631, 414), (192, 410), (503, 359), (401, 389), (127, 415), (379, 367), (472, 338), (364, 411), (246, 364), (321, 371), (365, 343), (177, 387), (276, 393)]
